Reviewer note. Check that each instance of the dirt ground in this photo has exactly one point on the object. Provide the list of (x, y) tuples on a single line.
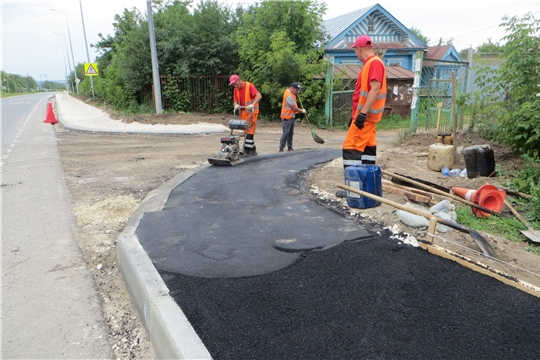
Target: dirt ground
[(108, 175)]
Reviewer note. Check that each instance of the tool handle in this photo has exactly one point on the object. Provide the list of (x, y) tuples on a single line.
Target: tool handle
[(440, 192), (406, 208), (518, 215), (480, 241), (300, 101)]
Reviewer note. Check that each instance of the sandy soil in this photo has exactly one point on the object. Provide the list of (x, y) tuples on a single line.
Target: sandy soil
[(108, 175)]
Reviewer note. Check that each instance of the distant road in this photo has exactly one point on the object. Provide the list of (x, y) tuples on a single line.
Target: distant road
[(15, 112)]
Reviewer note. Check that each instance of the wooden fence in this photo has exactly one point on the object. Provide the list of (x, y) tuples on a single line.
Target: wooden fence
[(205, 94)]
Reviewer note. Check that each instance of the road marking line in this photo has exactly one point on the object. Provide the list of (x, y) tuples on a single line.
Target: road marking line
[(5, 157)]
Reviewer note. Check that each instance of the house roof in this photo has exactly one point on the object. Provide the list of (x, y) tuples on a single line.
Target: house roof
[(437, 52), (343, 29), (339, 24), (392, 72), (444, 52), (397, 72)]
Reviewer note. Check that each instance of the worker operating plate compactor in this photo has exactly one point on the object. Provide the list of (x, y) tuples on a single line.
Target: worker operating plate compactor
[(231, 152)]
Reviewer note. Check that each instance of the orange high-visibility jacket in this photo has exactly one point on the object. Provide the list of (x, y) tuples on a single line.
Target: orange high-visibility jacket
[(376, 112), (247, 98), (287, 113)]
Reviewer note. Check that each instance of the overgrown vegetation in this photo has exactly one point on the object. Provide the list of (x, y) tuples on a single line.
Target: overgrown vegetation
[(525, 180), (271, 44), (508, 96), (16, 84)]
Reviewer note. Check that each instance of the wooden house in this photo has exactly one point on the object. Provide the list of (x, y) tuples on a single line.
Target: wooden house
[(440, 62), (394, 43)]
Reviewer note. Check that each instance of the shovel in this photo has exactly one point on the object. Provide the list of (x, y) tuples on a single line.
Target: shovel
[(439, 107), (530, 233), (484, 246), (317, 138)]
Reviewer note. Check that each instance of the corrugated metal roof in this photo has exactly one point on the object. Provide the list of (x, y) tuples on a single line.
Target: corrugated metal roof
[(397, 72), (437, 52), (337, 25)]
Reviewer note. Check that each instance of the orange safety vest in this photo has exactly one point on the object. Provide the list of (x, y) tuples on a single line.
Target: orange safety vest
[(287, 113), (376, 112), (247, 98)]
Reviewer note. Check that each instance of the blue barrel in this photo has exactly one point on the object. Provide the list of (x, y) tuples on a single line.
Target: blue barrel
[(366, 178)]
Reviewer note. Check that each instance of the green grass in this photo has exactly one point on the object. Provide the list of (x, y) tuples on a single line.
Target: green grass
[(509, 228), (394, 121), (5, 95), (535, 249)]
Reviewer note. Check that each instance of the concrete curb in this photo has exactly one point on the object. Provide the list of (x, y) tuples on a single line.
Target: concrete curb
[(171, 333), (161, 131)]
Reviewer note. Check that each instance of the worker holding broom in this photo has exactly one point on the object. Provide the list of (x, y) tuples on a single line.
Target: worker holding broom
[(369, 98), (289, 108), (246, 99)]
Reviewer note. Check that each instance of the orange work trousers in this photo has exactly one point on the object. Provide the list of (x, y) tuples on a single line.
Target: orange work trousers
[(251, 118), (360, 145)]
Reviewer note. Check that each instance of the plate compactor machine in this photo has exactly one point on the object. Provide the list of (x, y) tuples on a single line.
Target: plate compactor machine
[(230, 145)]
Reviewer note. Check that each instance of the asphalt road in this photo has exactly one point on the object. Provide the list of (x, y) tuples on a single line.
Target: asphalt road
[(50, 307), (263, 272)]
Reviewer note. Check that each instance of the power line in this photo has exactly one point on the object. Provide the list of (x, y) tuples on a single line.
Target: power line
[(472, 32)]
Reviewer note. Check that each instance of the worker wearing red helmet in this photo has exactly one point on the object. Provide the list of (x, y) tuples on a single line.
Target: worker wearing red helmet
[(369, 98), (245, 94)]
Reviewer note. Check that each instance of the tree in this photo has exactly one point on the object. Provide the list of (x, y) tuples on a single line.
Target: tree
[(445, 42), (15, 83), (281, 42), (518, 122), (489, 47), (188, 42), (419, 35)]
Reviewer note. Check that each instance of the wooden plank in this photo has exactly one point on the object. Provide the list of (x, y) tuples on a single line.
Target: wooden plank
[(407, 194)]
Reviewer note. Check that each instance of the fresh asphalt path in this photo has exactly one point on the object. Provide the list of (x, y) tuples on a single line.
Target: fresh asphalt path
[(264, 272)]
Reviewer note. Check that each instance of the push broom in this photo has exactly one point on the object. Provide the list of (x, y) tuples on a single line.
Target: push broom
[(316, 137)]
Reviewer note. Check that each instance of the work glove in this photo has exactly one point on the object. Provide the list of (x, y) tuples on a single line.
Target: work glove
[(303, 111), (236, 107), (350, 122), (360, 120), (250, 107)]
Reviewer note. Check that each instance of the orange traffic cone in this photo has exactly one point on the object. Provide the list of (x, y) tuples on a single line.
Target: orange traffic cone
[(50, 114), (487, 196), (464, 193)]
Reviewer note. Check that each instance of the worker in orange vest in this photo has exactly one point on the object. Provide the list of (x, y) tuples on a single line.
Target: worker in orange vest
[(246, 99), (289, 108), (369, 98)]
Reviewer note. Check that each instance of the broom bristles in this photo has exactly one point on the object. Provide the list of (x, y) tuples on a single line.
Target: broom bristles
[(317, 138)]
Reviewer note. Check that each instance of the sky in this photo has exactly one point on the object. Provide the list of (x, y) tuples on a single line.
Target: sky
[(30, 47)]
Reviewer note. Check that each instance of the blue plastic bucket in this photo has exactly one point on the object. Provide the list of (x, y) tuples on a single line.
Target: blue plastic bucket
[(366, 178)]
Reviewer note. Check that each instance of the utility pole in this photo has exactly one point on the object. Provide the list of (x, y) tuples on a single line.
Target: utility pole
[(65, 68), (86, 46), (71, 45), (153, 51), (69, 64)]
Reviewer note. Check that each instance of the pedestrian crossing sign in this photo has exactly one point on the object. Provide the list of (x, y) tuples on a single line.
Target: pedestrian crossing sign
[(90, 69)]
